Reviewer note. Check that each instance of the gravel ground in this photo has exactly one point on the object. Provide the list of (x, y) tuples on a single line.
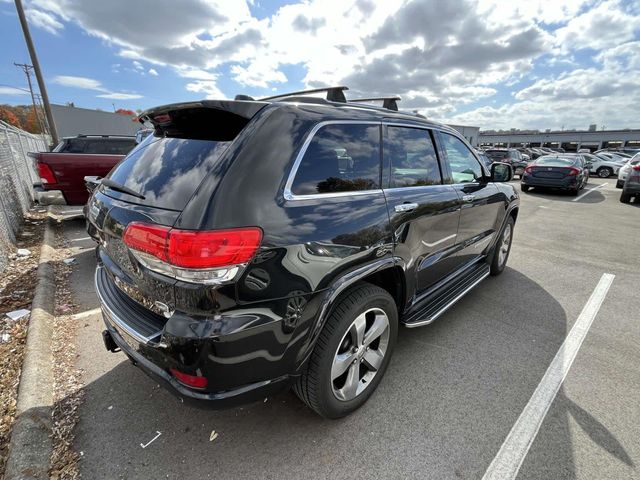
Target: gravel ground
[(17, 285)]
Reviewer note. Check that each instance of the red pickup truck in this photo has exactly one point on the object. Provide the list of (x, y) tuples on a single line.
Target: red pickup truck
[(62, 171)]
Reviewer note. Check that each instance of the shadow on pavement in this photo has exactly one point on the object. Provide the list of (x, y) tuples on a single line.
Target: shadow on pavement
[(450, 397)]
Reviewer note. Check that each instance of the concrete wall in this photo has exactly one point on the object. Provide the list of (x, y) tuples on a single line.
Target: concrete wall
[(573, 140), (470, 133), (72, 121)]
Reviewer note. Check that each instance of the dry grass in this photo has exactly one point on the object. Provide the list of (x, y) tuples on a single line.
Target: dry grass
[(17, 285), (68, 389)]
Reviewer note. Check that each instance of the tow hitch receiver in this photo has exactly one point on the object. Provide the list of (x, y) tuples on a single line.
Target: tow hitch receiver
[(109, 343)]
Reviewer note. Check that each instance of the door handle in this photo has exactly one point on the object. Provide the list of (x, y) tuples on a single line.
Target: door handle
[(405, 207), (468, 198)]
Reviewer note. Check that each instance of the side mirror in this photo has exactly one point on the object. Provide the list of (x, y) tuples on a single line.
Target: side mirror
[(501, 172)]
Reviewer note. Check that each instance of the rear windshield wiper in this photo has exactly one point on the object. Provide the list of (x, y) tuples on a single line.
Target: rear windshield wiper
[(118, 187)]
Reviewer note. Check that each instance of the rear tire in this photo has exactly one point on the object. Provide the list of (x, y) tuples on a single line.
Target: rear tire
[(574, 192), (619, 184), (524, 188), (343, 344), (502, 248), (625, 197), (604, 172)]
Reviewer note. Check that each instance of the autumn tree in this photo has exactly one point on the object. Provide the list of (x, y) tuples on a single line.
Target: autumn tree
[(7, 115)]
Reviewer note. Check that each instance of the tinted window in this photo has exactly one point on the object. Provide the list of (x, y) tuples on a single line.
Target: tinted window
[(110, 146), (167, 171), (412, 156), (74, 145), (464, 166), (555, 161), (340, 158), (497, 154)]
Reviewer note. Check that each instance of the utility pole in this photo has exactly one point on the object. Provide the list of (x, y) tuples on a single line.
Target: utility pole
[(38, 72), (27, 71)]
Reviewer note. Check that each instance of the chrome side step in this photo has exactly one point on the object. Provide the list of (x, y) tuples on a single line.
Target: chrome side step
[(443, 299)]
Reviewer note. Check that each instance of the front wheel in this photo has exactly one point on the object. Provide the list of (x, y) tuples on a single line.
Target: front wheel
[(605, 172), (503, 248), (351, 353)]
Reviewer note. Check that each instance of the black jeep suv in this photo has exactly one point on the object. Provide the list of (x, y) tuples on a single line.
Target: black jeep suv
[(250, 246)]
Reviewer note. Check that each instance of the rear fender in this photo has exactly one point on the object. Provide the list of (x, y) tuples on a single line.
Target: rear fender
[(333, 294)]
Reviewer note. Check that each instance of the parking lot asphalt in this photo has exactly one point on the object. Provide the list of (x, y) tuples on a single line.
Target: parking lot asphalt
[(453, 390)]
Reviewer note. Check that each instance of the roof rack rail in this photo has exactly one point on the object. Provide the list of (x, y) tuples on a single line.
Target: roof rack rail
[(334, 94), (390, 103)]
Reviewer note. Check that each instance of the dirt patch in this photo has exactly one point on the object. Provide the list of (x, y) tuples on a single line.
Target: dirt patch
[(17, 286), (68, 392)]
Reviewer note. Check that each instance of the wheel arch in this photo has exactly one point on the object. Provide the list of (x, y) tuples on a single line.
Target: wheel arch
[(382, 273)]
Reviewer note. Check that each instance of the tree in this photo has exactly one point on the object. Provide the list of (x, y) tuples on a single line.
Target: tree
[(32, 123), (124, 111), (7, 115)]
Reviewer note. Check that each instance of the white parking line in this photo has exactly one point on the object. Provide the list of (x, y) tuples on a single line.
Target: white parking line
[(506, 464), (589, 191)]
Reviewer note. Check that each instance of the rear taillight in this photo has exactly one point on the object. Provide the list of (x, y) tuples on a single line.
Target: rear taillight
[(46, 174), (636, 168), (195, 256), (573, 172), (528, 169), (193, 381)]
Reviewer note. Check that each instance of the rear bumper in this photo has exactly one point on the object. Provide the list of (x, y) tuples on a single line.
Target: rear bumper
[(531, 181), (631, 187), (155, 344), (49, 197)]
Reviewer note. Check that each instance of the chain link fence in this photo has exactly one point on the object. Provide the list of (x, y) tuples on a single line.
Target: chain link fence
[(17, 176)]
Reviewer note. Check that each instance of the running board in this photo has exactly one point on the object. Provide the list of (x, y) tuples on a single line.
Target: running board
[(445, 297)]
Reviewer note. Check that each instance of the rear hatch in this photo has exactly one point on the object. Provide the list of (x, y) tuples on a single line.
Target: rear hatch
[(553, 168), (145, 194)]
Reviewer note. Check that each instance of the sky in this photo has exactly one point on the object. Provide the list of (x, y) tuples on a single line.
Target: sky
[(497, 64)]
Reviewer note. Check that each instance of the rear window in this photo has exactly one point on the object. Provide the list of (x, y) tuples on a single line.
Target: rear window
[(497, 153), (556, 161), (167, 171), (103, 146)]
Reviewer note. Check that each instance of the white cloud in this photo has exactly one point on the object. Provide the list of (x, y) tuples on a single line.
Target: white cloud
[(119, 96), (77, 82), (207, 87), (44, 20), (12, 91), (604, 26), (153, 71), (86, 83)]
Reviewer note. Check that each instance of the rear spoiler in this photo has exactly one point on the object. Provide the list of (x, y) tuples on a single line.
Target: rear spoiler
[(219, 120)]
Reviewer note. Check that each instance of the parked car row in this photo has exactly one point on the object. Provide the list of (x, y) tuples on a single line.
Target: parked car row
[(604, 164)]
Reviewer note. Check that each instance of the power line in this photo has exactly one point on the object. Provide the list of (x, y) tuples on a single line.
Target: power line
[(27, 71)]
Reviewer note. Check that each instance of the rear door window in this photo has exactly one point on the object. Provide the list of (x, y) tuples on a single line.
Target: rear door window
[(412, 155), (166, 171), (340, 158)]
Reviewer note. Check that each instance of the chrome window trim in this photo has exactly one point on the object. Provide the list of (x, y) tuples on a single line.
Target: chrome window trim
[(288, 193)]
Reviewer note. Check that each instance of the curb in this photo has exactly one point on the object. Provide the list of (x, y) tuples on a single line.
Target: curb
[(30, 446)]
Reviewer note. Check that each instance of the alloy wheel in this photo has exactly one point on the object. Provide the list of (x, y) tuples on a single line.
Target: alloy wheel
[(360, 354), (504, 245)]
